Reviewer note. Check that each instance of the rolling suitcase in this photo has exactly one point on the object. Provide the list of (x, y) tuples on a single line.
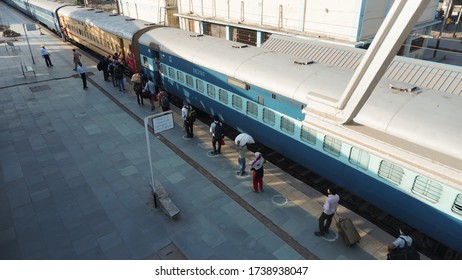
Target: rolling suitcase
[(347, 230)]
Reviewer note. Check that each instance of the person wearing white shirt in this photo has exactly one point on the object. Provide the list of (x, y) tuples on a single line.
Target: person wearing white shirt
[(82, 74), (46, 56), (329, 209)]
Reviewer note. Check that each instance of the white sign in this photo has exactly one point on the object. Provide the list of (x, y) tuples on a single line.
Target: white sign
[(162, 121)]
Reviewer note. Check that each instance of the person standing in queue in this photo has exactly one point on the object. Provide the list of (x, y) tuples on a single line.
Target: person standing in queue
[(83, 75), (329, 209), (187, 122), (256, 166), (105, 65), (137, 87), (76, 58), (119, 75), (241, 151), (401, 248), (46, 56), (149, 88), (164, 103), (216, 129)]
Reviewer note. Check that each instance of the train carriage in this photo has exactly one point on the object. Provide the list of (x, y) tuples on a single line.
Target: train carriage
[(104, 33), (46, 13), (20, 5), (399, 154)]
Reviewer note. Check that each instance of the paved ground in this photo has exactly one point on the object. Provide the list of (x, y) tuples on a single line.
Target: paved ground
[(74, 180)]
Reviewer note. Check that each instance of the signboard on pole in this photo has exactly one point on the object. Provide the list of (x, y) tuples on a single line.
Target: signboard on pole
[(162, 121), (30, 26)]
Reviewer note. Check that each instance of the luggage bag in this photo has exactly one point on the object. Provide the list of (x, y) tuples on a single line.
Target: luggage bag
[(347, 230)]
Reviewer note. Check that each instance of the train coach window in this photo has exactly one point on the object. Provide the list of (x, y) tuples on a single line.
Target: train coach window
[(211, 91), (287, 125), (391, 172), (252, 109), (223, 96), (180, 76), (359, 158), (457, 206), (427, 188), (269, 117), (332, 146), (171, 73), (200, 86), (308, 135), (237, 102), (189, 81)]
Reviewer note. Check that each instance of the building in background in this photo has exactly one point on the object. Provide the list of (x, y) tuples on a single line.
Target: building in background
[(352, 22)]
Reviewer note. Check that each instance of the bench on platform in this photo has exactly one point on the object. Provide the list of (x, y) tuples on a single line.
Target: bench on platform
[(27, 69), (10, 46), (166, 204)]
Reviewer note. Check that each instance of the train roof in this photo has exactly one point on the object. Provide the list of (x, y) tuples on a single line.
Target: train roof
[(48, 4), (426, 117), (422, 73), (122, 26)]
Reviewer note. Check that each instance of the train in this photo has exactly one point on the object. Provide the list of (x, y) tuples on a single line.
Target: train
[(401, 152)]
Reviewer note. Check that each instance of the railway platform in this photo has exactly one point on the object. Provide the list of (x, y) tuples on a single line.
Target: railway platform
[(75, 179)]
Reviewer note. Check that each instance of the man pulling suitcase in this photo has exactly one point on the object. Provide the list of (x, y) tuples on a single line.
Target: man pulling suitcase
[(329, 209)]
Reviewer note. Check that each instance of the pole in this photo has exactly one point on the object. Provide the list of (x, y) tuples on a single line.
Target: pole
[(146, 129), (27, 38)]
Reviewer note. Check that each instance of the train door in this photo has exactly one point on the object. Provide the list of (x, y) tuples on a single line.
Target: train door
[(131, 61), (150, 62), (63, 26)]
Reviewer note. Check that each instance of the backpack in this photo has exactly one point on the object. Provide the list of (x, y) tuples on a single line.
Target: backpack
[(192, 114), (164, 102), (100, 66), (218, 131), (111, 67), (408, 252)]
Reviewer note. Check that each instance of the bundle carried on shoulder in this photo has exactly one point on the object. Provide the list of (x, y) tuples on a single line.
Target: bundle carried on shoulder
[(136, 78)]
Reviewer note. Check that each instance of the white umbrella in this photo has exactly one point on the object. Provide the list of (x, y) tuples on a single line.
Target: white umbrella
[(244, 139)]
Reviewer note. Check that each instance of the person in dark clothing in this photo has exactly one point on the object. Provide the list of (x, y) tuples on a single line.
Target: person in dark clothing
[(216, 129), (187, 122), (119, 75), (164, 103), (105, 65), (137, 87)]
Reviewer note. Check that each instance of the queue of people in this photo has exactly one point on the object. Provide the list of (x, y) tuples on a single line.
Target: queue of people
[(145, 88)]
